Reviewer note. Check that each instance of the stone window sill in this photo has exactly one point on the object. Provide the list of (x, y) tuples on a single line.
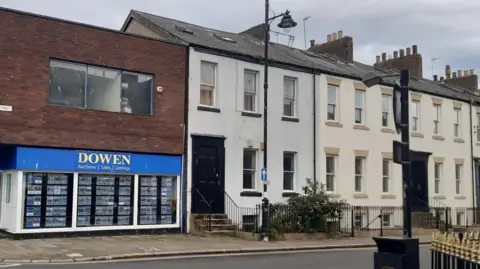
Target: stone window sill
[(438, 137), (290, 119), (251, 194), (334, 124), (458, 140), (361, 127), (289, 194), (460, 197), (360, 196), (333, 195), (387, 131), (389, 196), (251, 114), (208, 109), (440, 197), (417, 135)]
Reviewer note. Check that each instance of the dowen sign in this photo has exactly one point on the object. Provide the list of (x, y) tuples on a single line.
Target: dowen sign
[(111, 162)]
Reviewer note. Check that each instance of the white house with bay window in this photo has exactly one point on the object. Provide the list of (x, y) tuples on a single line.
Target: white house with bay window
[(323, 124)]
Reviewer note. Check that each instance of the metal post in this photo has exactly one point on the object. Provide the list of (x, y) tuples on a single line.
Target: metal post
[(265, 203), (406, 164)]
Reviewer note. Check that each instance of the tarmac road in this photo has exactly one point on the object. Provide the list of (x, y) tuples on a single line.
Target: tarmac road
[(335, 259)]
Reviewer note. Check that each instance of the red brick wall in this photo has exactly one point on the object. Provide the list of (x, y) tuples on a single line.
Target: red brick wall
[(26, 45)]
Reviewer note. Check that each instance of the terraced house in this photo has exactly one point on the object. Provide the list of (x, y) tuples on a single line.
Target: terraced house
[(324, 123)]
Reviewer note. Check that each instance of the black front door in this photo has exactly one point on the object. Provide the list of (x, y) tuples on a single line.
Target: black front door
[(208, 158), (420, 186)]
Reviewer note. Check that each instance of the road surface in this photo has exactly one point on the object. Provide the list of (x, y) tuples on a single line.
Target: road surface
[(338, 259)]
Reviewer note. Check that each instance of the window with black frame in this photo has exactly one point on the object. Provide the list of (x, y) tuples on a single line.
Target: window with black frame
[(100, 88)]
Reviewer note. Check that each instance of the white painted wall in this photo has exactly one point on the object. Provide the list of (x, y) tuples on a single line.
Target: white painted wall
[(238, 129)]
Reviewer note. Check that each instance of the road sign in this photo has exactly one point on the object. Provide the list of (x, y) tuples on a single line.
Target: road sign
[(264, 174), (397, 106)]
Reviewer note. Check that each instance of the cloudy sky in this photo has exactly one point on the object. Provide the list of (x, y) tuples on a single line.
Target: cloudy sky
[(447, 29)]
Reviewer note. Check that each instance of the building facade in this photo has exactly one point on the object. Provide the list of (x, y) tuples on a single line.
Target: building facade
[(323, 122), (91, 128)]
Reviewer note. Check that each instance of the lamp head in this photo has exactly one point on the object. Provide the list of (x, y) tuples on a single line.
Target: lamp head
[(287, 23), (371, 79)]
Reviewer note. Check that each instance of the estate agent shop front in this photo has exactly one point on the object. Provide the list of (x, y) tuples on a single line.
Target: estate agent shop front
[(57, 190)]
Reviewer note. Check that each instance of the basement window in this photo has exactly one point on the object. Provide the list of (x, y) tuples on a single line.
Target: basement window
[(184, 29), (224, 38)]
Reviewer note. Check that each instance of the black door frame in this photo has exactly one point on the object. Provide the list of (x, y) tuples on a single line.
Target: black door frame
[(213, 141), (421, 156)]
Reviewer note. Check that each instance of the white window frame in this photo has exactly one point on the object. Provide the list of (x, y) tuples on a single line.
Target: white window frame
[(387, 178), (460, 217), (478, 127), (214, 86), (249, 92), (290, 98), (333, 175), (386, 222), (458, 179), (437, 119), (252, 170), (437, 185), (292, 172), (361, 109), (415, 118), (388, 112), (335, 105), (457, 125), (360, 176)]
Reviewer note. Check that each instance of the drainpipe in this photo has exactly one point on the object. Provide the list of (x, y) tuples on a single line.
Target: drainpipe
[(185, 221), (473, 161), (314, 127)]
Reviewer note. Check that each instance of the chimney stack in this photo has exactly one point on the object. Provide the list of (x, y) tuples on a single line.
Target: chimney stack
[(459, 73), (378, 59), (384, 57), (465, 79), (409, 51), (337, 44), (414, 49), (312, 43), (340, 34), (402, 53), (395, 55), (448, 71), (466, 73), (435, 77)]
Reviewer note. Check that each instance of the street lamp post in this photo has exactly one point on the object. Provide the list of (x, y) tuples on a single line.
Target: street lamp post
[(286, 24)]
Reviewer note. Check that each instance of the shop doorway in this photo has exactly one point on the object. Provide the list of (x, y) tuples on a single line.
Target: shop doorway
[(208, 178)]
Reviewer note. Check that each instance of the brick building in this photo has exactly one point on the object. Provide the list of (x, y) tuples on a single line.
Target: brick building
[(91, 127)]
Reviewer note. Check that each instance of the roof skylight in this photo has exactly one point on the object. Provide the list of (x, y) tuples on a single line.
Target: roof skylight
[(224, 38), (183, 29)]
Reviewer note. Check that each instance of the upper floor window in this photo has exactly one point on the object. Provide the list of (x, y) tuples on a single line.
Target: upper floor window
[(207, 83), (415, 107), (359, 107), (332, 113), (385, 110), (91, 87), (289, 93), (250, 91), (436, 119), (457, 124)]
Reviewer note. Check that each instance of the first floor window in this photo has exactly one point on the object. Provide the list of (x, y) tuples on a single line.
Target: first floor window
[(289, 96), (386, 167), (385, 109), (359, 106), (288, 171), (249, 168), (332, 103), (458, 178), (250, 91), (437, 177), (330, 173), (386, 220), (359, 167), (207, 83), (358, 221)]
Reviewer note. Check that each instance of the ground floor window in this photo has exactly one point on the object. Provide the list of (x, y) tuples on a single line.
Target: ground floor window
[(48, 200), (386, 220), (158, 200)]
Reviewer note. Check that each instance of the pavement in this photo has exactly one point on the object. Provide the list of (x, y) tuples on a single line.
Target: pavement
[(87, 249), (324, 259)]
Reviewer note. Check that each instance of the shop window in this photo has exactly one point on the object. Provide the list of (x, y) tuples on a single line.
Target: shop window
[(48, 200), (158, 200), (105, 200), (8, 189), (99, 88)]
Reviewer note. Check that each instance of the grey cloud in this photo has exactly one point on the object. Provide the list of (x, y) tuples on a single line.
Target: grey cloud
[(443, 28)]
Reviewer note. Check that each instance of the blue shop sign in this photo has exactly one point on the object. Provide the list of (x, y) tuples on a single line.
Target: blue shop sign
[(44, 159)]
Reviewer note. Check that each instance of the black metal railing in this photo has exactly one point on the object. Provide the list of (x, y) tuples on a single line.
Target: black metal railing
[(455, 251), (206, 218), (245, 219)]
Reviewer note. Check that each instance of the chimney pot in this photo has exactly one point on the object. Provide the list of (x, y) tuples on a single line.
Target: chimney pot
[(459, 73), (384, 57), (402, 53), (340, 34), (312, 43), (472, 72), (454, 75), (435, 77), (395, 55), (329, 38), (414, 49), (334, 36), (465, 73), (409, 51), (378, 59)]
